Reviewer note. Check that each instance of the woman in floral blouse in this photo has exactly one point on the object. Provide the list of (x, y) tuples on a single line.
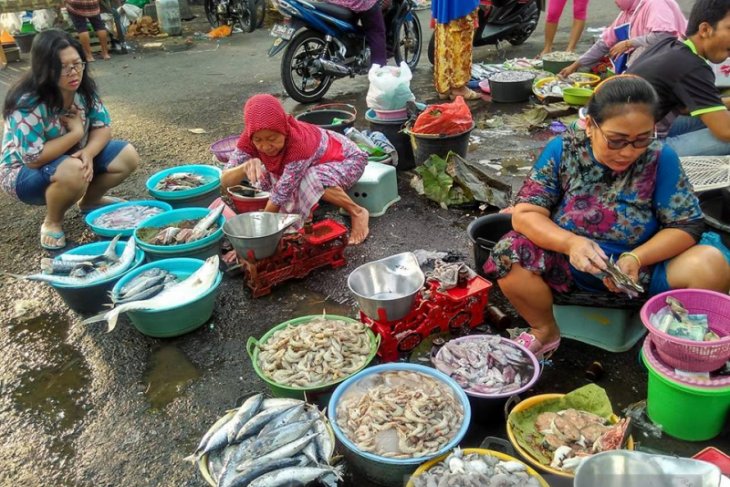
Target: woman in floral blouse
[(611, 191), (57, 148)]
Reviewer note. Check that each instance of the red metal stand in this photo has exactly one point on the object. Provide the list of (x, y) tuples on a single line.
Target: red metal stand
[(298, 254), (456, 310)]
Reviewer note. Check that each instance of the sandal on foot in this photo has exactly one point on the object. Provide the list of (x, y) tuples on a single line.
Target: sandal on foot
[(469, 95), (110, 200), (542, 351), (59, 237)]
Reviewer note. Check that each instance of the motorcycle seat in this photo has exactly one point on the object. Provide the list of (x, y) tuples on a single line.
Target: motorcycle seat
[(335, 11)]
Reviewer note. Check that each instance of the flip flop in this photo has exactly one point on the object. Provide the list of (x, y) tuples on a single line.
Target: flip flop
[(60, 238), (542, 351), (111, 200), (468, 96)]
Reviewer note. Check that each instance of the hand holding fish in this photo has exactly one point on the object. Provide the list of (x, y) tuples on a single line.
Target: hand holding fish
[(87, 164), (629, 266), (254, 170), (586, 255)]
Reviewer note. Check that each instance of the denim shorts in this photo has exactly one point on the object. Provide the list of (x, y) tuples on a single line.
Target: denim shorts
[(79, 22), (31, 184)]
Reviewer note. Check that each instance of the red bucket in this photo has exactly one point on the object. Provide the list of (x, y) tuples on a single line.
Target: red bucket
[(245, 204)]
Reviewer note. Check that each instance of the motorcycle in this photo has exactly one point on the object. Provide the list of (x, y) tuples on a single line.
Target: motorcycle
[(247, 15), (323, 42), (513, 21)]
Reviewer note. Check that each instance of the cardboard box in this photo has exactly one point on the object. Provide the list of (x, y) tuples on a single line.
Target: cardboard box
[(722, 74)]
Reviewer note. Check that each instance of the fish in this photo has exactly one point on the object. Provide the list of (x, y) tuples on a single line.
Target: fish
[(57, 266), (275, 402), (246, 477), (257, 422), (327, 476), (475, 470), (285, 451), (197, 284), (141, 295), (200, 228), (286, 417), (98, 274), (235, 454), (139, 284), (126, 217), (180, 181), (109, 254), (248, 409), (279, 437)]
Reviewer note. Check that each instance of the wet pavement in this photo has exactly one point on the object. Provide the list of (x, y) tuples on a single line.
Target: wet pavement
[(80, 406)]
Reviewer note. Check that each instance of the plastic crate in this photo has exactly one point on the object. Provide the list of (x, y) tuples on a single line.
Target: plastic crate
[(376, 189), (612, 329)]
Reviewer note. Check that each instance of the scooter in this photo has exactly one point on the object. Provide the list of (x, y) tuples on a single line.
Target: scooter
[(513, 21), (323, 42), (247, 15)]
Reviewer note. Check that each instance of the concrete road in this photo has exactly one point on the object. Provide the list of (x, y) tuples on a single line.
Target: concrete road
[(79, 406)]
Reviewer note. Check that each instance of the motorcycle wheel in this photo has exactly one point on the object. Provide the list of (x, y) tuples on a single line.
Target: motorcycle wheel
[(260, 10), (210, 13), (246, 18), (431, 49), (407, 41), (532, 17), (299, 82)]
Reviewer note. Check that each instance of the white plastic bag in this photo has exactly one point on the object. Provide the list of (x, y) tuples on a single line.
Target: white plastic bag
[(390, 87), (131, 12), (10, 22), (43, 19)]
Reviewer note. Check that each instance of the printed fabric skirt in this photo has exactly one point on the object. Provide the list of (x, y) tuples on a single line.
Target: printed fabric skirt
[(452, 54)]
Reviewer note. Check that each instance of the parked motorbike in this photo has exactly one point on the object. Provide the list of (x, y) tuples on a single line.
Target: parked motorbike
[(247, 15), (513, 21), (324, 42)]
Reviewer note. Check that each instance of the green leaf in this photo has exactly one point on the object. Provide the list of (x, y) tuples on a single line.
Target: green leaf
[(436, 183)]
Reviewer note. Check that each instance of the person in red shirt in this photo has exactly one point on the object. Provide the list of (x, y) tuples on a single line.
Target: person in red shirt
[(297, 163)]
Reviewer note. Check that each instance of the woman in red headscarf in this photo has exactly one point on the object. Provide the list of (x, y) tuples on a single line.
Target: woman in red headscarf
[(297, 162)]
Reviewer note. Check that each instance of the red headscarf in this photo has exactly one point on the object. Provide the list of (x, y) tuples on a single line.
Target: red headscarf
[(264, 112)]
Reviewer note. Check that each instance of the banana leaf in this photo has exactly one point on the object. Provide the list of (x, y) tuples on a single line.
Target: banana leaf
[(439, 186), (590, 398)]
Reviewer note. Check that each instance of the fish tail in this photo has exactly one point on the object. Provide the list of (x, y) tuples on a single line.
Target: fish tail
[(113, 315), (96, 318), (191, 458)]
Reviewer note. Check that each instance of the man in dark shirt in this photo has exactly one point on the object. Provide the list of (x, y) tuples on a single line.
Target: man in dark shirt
[(693, 116)]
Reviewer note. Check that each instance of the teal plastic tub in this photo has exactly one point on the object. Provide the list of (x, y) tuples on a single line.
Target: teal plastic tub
[(127, 232), (201, 249), (92, 299), (201, 196), (612, 329), (393, 471), (175, 320)]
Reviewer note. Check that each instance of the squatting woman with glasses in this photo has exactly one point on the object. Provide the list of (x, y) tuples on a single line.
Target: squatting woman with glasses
[(57, 148), (609, 191)]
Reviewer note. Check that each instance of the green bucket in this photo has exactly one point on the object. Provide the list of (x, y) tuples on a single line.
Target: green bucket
[(686, 412), (319, 394)]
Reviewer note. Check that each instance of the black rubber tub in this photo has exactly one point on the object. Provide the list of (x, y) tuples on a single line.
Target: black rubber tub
[(335, 116), (402, 143), (511, 86), (484, 233), (426, 145), (716, 207)]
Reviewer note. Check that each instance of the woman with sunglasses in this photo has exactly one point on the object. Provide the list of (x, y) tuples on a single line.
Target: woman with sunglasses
[(57, 148), (611, 191)]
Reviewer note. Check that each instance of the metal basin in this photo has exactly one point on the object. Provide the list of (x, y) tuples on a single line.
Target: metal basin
[(257, 232), (386, 289)]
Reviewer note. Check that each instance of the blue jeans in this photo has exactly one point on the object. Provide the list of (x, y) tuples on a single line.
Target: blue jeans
[(31, 184), (688, 136)]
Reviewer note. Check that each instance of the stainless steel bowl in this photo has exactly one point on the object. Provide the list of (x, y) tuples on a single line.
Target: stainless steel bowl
[(388, 286), (258, 232)]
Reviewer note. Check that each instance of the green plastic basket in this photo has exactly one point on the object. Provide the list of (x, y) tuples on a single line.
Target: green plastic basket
[(319, 394), (685, 412)]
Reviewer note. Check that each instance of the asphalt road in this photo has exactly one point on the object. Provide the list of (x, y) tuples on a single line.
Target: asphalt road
[(79, 406)]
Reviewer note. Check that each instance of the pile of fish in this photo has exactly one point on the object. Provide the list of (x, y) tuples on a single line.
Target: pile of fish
[(581, 78), (512, 76), (315, 353), (475, 470), (182, 232), (486, 364), (176, 295), (552, 87), (560, 56), (399, 414), (126, 217), (146, 285), (569, 436), (268, 443), (180, 181), (84, 270), (675, 320)]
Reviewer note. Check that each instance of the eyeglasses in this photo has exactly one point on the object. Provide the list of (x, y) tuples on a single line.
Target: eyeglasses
[(78, 68), (614, 144)]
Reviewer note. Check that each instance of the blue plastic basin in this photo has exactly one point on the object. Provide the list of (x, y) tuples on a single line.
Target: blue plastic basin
[(392, 471), (173, 320), (91, 299), (127, 232), (181, 250), (211, 172)]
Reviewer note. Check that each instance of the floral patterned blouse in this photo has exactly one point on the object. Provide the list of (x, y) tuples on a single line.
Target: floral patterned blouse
[(618, 210), (26, 132)]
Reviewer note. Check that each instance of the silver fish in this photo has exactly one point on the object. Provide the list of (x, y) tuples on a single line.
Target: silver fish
[(245, 478), (200, 228), (109, 254), (154, 272), (238, 453), (57, 266), (208, 435), (137, 285), (141, 295), (248, 410), (299, 476), (279, 437), (257, 423), (286, 451), (275, 402), (98, 274), (288, 416), (188, 290)]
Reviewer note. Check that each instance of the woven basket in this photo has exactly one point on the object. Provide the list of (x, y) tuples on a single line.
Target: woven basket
[(223, 148), (691, 355)]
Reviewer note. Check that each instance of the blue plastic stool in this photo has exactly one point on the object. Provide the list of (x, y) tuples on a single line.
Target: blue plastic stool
[(612, 329), (376, 189)]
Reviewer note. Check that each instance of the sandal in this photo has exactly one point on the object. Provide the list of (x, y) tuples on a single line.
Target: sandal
[(530, 342), (444, 96), (109, 200), (468, 96), (59, 237)]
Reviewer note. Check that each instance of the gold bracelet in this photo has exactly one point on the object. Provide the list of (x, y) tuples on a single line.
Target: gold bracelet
[(631, 254)]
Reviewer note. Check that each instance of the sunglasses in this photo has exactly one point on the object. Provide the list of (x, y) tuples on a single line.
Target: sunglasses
[(613, 144)]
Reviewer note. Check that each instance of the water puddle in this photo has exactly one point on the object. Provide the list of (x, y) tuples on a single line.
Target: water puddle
[(168, 375), (312, 303), (53, 385)]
